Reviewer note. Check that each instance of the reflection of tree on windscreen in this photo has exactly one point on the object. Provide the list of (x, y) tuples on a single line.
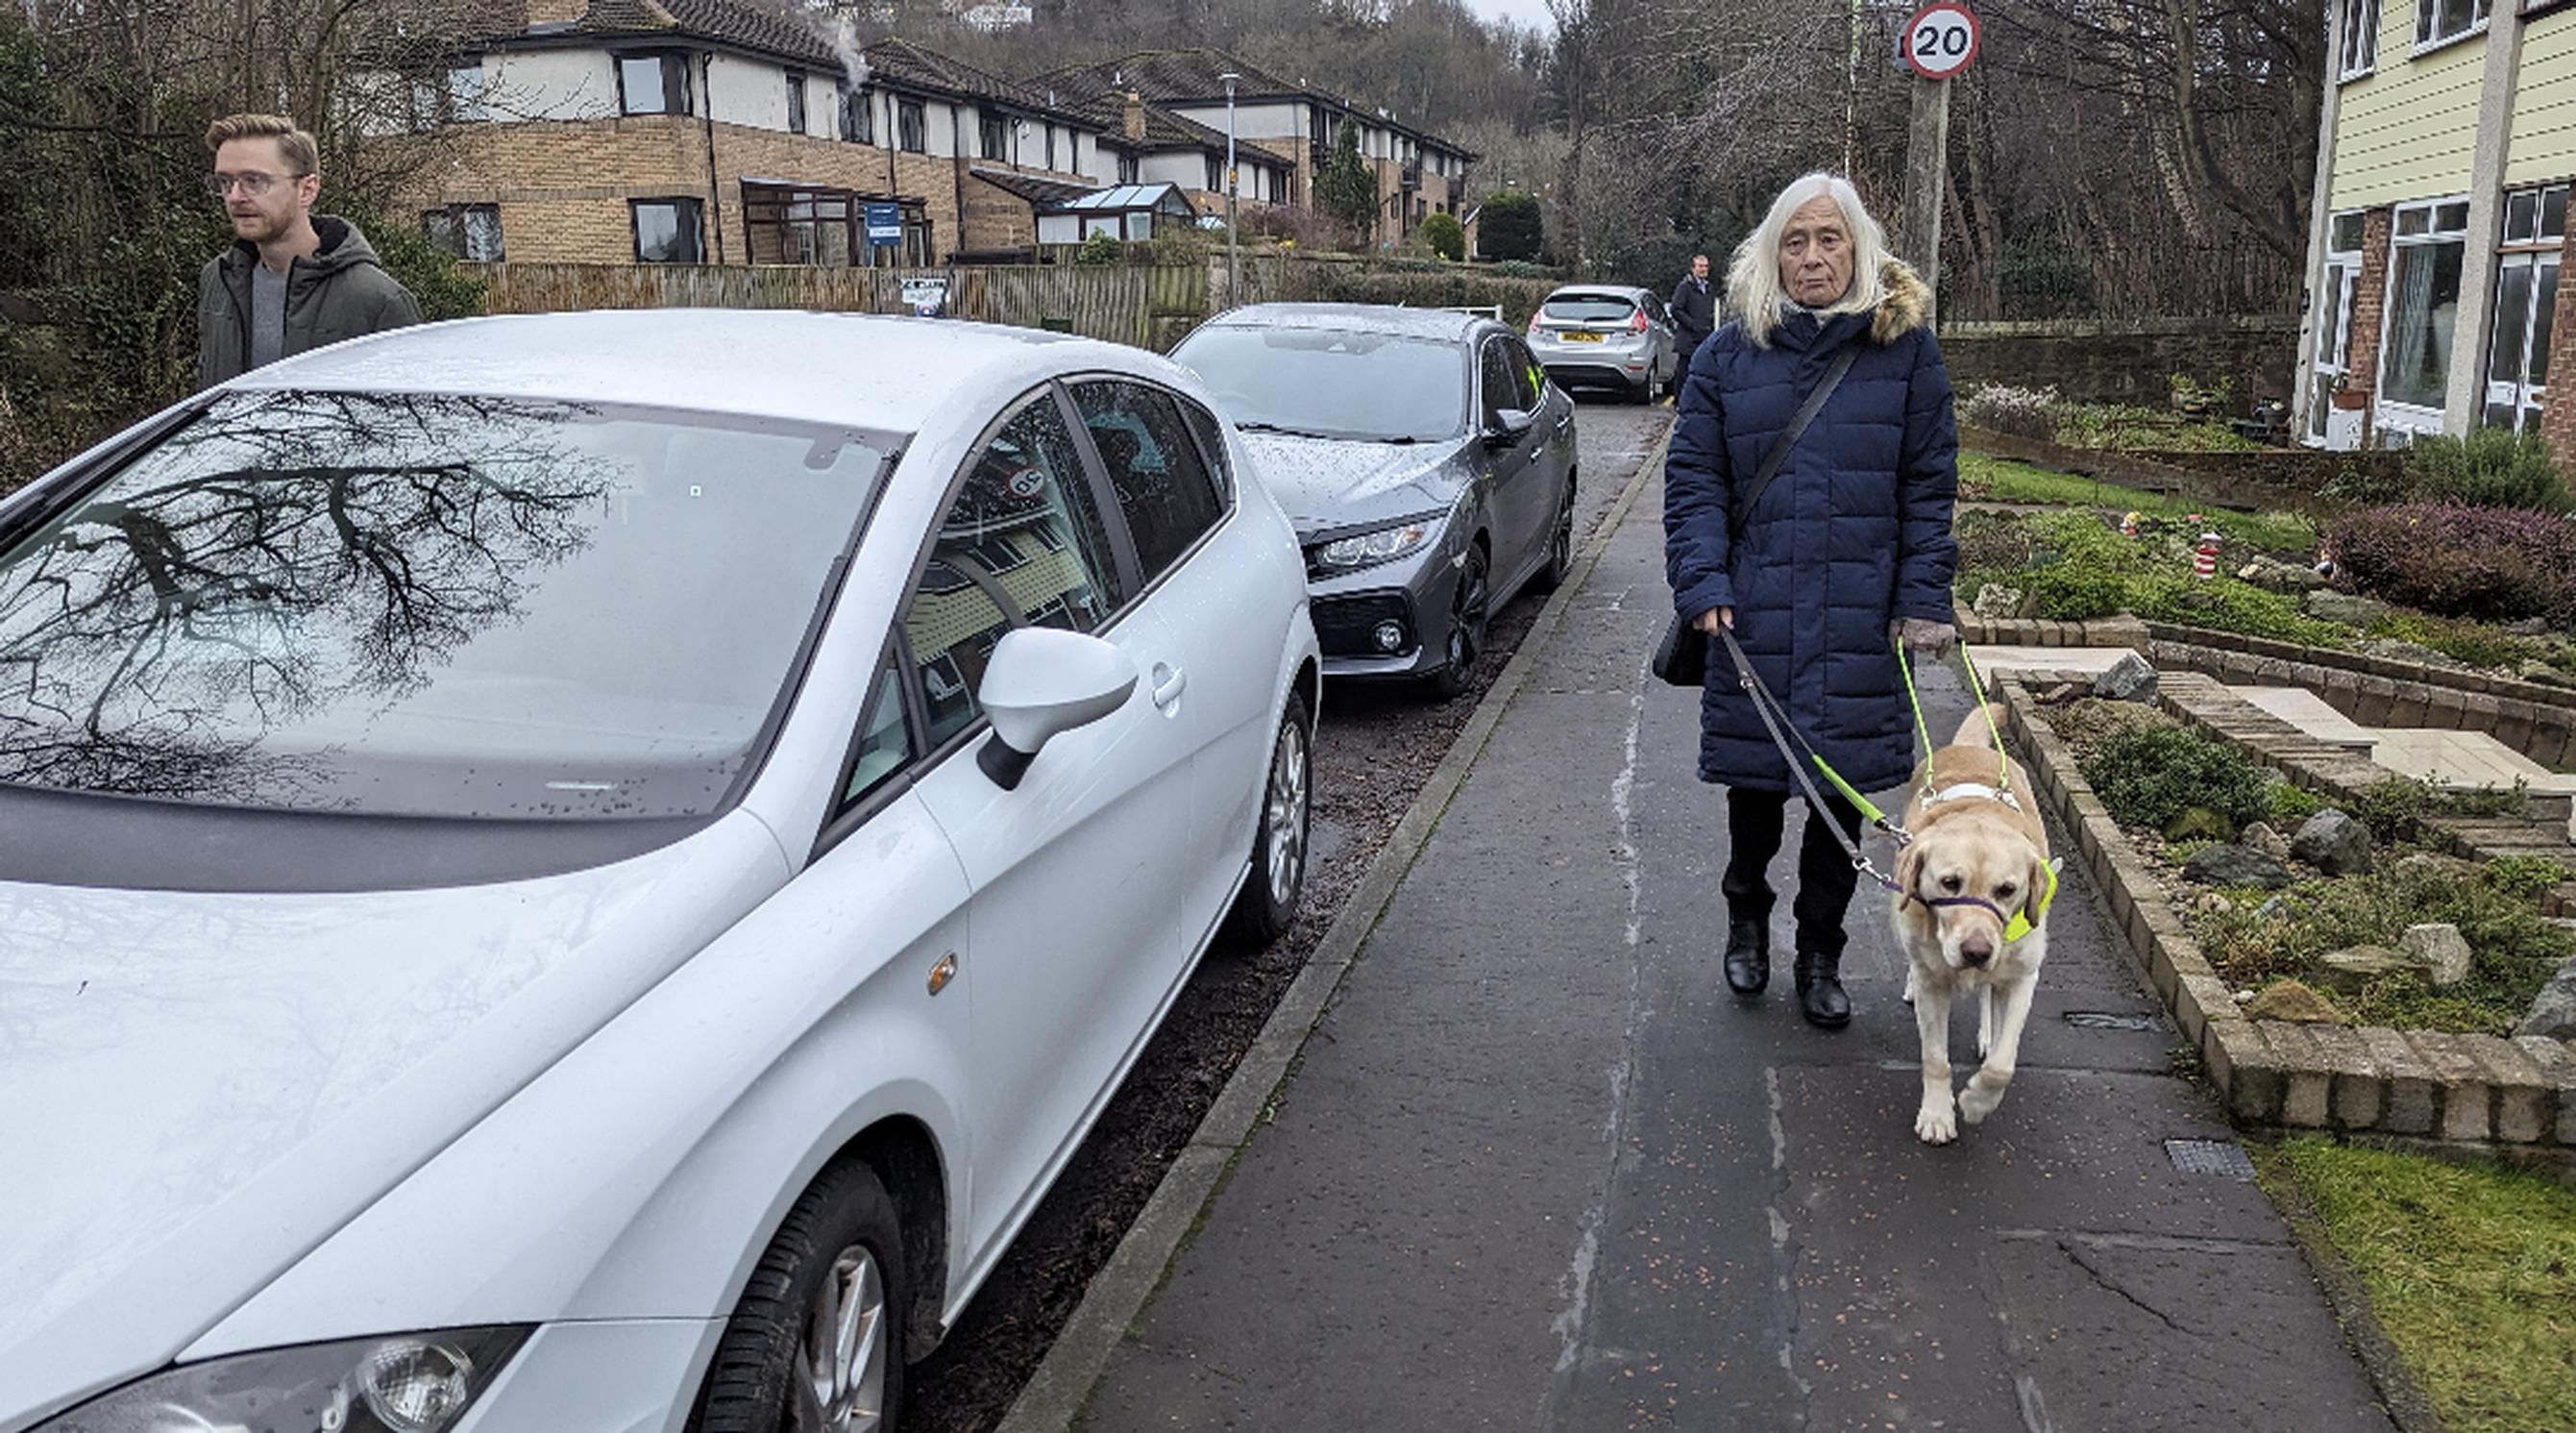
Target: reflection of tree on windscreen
[(280, 555)]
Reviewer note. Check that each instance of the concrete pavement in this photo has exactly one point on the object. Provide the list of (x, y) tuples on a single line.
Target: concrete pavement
[(1538, 1170)]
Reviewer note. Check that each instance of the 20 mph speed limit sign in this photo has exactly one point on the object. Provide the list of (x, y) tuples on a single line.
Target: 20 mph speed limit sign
[(1940, 40)]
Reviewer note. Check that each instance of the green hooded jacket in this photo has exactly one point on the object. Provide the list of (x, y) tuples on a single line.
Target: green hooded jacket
[(339, 291)]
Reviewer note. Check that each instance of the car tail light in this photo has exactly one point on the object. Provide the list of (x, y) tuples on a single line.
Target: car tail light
[(1637, 321), (1533, 323)]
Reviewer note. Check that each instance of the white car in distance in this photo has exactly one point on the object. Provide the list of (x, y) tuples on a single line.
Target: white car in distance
[(586, 872)]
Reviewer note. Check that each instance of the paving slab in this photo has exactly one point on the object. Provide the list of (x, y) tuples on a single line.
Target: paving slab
[(1539, 1170), (1995, 660), (2465, 760), (2312, 714)]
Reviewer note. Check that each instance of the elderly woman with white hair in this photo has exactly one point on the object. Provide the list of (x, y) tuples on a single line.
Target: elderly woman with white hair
[(1821, 571)]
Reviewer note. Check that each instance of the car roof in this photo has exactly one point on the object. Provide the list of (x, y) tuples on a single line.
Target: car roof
[(1359, 318), (870, 371)]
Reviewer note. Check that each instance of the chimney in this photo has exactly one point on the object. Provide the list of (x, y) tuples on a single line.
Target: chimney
[(1134, 119), (556, 12)]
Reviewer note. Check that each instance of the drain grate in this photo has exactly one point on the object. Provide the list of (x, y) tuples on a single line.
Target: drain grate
[(2214, 1158), (2105, 1020)]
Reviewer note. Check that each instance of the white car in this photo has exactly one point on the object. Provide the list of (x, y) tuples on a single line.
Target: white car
[(585, 872)]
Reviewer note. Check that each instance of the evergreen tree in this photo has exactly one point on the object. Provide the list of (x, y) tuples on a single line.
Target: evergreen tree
[(1511, 226), (1346, 190)]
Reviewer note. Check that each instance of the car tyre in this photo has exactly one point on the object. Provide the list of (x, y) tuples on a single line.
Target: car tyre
[(816, 1344), (1560, 545), (1469, 611), (1279, 838), (1652, 390)]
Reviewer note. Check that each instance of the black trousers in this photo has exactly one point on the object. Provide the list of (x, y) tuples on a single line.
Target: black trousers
[(1826, 880)]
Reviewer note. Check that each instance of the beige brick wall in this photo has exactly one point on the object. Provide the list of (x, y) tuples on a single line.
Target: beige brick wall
[(562, 188)]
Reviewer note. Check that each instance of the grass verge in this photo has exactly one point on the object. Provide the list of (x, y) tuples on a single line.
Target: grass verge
[(2470, 1269)]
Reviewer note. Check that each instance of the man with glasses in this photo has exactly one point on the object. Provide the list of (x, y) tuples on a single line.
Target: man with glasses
[(293, 279)]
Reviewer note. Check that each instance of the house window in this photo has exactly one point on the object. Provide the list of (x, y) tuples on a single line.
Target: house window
[(1050, 146), (669, 231), (795, 103), (1127, 169), (993, 136), (2439, 21), (858, 117), (783, 225), (1216, 174), (2526, 302), (452, 96), (2360, 36), (911, 128), (469, 231), (653, 84), (2430, 244)]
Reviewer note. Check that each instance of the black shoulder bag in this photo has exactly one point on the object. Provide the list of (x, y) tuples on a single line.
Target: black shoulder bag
[(1681, 659)]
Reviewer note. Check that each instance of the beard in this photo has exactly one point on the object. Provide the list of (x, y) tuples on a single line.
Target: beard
[(258, 226)]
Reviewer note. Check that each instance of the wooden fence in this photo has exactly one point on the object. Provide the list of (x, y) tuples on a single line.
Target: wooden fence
[(1150, 307)]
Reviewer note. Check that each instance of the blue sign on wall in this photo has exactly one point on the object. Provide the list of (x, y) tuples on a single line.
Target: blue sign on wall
[(885, 226)]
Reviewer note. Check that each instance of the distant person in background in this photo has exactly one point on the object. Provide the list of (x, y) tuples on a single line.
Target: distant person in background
[(293, 280), (1694, 317)]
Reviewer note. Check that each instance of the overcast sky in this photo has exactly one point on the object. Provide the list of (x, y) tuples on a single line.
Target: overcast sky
[(1526, 12)]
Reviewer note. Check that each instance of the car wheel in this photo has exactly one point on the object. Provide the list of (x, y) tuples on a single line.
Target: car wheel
[(1653, 390), (816, 1345), (1278, 879), (1560, 545), (1468, 612)]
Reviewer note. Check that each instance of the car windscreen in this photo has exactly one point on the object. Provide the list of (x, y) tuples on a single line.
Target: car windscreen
[(425, 605), (1588, 308), (1333, 383)]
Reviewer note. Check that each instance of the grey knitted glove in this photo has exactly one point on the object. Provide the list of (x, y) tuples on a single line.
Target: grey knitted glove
[(1927, 639)]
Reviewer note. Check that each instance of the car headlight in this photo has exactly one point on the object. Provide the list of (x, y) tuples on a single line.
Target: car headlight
[(1368, 549), (416, 1383)]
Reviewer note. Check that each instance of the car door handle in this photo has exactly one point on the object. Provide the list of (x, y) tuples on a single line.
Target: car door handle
[(1168, 685)]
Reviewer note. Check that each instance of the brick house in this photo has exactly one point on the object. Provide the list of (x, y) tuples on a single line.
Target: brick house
[(1153, 145), (1418, 173), (2447, 145), (717, 131)]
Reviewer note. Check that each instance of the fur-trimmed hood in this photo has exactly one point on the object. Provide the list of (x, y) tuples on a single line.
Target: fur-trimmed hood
[(1907, 306)]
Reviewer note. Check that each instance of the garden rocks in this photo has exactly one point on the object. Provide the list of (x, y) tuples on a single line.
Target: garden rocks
[(2440, 949), (2529, 627), (2274, 575), (2544, 674), (2131, 679), (2327, 605), (2289, 1000), (1996, 600), (2274, 908), (2261, 837), (2333, 843), (2350, 970), (2554, 1013), (2227, 864), (2390, 649)]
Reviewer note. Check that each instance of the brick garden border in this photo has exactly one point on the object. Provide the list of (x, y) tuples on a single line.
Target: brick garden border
[(2538, 721), (2478, 1090)]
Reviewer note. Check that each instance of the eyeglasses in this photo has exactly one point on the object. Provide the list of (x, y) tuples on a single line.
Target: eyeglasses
[(251, 183)]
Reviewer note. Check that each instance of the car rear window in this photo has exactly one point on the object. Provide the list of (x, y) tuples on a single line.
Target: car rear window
[(1589, 308)]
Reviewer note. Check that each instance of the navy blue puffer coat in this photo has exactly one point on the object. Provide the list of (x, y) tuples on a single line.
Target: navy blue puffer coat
[(1853, 533)]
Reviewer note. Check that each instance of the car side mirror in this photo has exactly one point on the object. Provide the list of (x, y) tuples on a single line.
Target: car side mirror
[(1041, 683), (1509, 426)]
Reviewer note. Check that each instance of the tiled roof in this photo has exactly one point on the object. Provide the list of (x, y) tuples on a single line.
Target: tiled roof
[(1168, 77), (901, 63), (1035, 188)]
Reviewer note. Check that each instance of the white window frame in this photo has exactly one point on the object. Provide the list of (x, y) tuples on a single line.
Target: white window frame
[(2333, 358), (2415, 417), (2537, 251), (2360, 37), (2480, 13)]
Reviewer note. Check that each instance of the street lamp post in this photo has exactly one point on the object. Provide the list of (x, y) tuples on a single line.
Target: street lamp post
[(1233, 242)]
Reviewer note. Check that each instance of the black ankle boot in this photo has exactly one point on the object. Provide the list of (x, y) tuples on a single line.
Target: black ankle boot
[(1748, 956), (1820, 991)]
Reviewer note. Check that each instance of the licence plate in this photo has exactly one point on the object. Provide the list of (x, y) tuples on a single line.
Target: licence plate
[(1576, 335)]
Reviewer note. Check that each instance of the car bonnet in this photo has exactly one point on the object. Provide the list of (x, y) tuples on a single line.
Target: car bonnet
[(197, 1089), (1328, 483)]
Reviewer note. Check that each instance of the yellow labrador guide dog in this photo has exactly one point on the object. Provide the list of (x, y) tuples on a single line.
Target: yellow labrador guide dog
[(1974, 883)]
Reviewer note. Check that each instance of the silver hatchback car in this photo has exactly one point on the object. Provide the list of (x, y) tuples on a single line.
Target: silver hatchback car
[(1605, 335)]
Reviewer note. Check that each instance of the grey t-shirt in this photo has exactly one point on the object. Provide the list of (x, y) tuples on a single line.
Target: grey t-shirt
[(267, 315)]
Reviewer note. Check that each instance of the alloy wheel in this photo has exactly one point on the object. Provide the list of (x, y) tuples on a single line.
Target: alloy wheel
[(841, 1371), (1467, 616), (1287, 814)]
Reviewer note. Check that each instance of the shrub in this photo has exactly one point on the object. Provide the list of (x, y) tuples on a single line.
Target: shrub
[(2524, 876), (2459, 561), (2488, 468), (1446, 238), (2074, 592), (2148, 775), (1512, 226), (2224, 604), (2021, 412), (2398, 809), (2290, 805), (2460, 641), (1102, 250)]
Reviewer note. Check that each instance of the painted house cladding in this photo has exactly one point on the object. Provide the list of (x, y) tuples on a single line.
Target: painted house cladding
[(1418, 174), (713, 131), (2448, 143)]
